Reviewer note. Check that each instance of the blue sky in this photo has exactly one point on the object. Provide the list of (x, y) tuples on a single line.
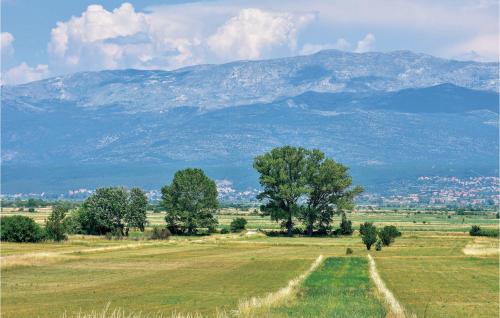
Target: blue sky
[(52, 37)]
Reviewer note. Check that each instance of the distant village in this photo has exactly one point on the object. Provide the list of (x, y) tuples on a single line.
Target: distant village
[(437, 191)]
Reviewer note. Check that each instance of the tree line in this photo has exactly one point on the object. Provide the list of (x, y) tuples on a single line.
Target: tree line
[(298, 186)]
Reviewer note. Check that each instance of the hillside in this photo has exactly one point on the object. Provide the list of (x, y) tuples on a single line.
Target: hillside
[(388, 115)]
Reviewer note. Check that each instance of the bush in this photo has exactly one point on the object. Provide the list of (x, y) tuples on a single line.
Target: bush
[(238, 224), (348, 251), (159, 233), (32, 210), (20, 229), (477, 231), (224, 231), (388, 234), (378, 245)]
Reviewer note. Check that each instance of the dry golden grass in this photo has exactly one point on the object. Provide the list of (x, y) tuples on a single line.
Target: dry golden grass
[(482, 246), (396, 310)]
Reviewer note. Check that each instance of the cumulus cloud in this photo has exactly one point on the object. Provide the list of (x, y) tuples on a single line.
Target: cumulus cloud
[(99, 37), (253, 31), (6, 40), (176, 35), (23, 73), (366, 44), (167, 37)]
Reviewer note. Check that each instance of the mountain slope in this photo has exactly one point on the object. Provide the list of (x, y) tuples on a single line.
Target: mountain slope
[(249, 82), (118, 127)]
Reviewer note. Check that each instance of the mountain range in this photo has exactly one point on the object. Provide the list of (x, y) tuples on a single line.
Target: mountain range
[(389, 116)]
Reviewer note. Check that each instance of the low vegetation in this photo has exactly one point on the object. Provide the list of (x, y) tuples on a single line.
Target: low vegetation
[(238, 224), (477, 231), (21, 229)]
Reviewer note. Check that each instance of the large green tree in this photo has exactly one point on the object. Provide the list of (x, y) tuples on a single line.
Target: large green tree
[(114, 210), (329, 192), (304, 184), (104, 211), (136, 210), (283, 177), (190, 201)]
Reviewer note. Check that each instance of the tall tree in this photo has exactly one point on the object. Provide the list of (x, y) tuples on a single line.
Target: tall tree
[(330, 192), (136, 210), (190, 201), (104, 211), (283, 176)]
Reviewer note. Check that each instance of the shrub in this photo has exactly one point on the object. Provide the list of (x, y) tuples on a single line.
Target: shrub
[(20, 228), (348, 251), (21, 209), (475, 230), (238, 224), (108, 236), (368, 233), (159, 233), (224, 231), (378, 245), (32, 210), (388, 234)]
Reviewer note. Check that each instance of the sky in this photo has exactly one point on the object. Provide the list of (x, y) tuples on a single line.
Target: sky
[(41, 39)]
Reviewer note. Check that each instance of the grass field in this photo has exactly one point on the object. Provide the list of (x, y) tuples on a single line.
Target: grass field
[(341, 287), (426, 269)]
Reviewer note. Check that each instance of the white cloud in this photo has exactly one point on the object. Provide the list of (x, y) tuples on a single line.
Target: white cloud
[(480, 48), (341, 44), (171, 36), (366, 44), (99, 37), (249, 34), (177, 35), (23, 73), (6, 41)]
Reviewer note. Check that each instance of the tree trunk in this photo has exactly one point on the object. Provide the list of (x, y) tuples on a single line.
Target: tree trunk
[(289, 225), (310, 229)]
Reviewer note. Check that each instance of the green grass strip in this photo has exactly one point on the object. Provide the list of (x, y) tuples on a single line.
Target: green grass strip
[(340, 287)]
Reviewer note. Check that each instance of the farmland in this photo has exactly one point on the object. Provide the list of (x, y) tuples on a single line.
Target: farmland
[(426, 269)]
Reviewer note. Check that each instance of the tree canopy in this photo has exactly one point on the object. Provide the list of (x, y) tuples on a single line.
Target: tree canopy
[(190, 201), (303, 184), (113, 210)]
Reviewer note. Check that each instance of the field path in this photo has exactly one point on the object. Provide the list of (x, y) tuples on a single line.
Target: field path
[(395, 307), (246, 307)]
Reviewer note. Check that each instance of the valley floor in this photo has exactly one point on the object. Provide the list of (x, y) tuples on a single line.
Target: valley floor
[(431, 273)]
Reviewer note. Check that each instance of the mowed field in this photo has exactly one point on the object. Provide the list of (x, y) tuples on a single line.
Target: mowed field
[(433, 270)]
